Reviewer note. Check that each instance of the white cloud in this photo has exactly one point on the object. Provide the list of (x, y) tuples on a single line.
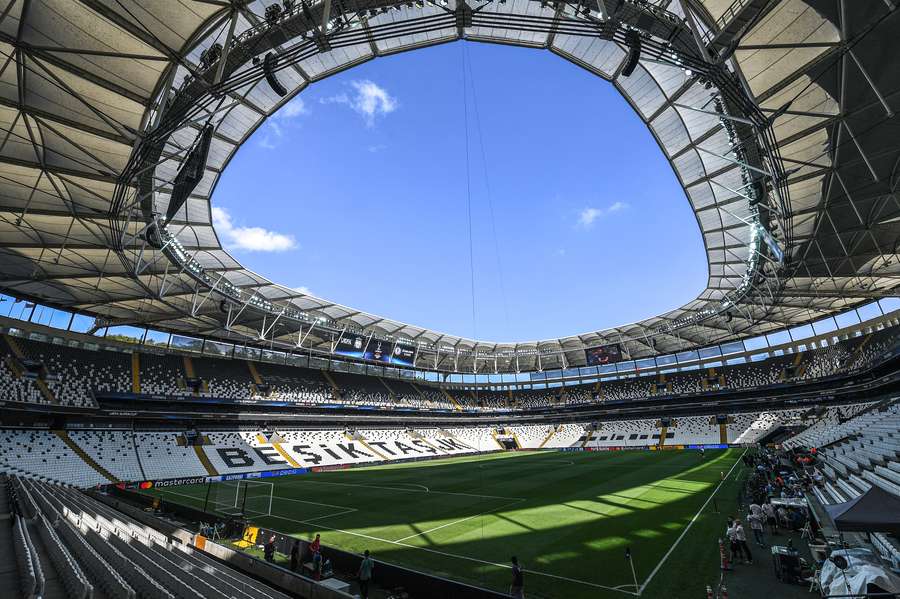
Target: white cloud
[(588, 216), (304, 290), (254, 239), (294, 108), (273, 130), (376, 148), (369, 100)]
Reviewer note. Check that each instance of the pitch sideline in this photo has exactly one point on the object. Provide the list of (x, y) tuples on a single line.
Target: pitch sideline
[(688, 527)]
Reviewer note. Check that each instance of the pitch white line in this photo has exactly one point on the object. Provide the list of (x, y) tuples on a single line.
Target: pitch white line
[(460, 521), (688, 527), (423, 487), (343, 509), (334, 515), (322, 482), (454, 555)]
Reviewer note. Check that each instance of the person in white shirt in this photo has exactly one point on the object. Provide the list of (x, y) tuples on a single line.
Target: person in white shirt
[(738, 539)]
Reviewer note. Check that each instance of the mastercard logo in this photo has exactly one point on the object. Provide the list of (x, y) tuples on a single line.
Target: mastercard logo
[(146, 485)]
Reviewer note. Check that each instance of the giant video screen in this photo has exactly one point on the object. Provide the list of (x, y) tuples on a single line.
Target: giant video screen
[(375, 350), (605, 354), (403, 355), (352, 345)]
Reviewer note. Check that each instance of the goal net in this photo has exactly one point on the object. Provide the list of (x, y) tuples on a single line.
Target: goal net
[(242, 497)]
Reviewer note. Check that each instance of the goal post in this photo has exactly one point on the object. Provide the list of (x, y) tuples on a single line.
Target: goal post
[(241, 497), (256, 497)]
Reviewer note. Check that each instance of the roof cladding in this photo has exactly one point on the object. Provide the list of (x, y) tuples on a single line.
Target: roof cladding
[(82, 80)]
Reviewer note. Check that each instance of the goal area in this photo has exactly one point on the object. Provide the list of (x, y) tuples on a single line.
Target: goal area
[(241, 497)]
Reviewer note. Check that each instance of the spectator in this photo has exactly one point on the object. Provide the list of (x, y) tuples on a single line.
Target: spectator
[(269, 550), (757, 521), (317, 565), (295, 556), (365, 575), (769, 512), (517, 588), (315, 545), (738, 541)]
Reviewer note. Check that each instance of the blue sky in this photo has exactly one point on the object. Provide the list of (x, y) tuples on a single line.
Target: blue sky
[(356, 191)]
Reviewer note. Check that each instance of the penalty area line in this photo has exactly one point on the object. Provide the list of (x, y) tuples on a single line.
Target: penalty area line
[(461, 520), (688, 527)]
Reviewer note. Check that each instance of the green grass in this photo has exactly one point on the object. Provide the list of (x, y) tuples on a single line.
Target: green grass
[(565, 515)]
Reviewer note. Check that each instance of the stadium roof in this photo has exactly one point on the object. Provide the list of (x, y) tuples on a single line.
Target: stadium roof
[(86, 83)]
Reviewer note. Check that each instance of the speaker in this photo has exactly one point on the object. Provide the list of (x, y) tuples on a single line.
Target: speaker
[(633, 40), (269, 63), (190, 174)]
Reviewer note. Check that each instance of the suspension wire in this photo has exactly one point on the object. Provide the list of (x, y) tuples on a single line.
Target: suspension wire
[(464, 54), (469, 190), (490, 203)]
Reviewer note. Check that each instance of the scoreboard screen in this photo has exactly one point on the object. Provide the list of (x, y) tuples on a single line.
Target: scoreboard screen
[(602, 355), (376, 350), (403, 355), (351, 345)]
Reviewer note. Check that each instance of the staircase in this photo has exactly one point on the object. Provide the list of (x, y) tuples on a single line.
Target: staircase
[(335, 390), (9, 572), (452, 399), (135, 372), (362, 441), (204, 459), (64, 436), (17, 369), (389, 390), (41, 384), (553, 431), (54, 587)]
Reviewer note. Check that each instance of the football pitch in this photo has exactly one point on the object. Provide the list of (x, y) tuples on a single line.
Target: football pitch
[(568, 516)]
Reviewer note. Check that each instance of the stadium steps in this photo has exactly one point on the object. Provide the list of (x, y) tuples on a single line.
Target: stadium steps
[(800, 365), (335, 390), (549, 436), (190, 373), (14, 347), (204, 459), (9, 573), (64, 436), (388, 387), (53, 583), (254, 373), (135, 372), (285, 455), (418, 391), (362, 441), (452, 399), (16, 350), (45, 391)]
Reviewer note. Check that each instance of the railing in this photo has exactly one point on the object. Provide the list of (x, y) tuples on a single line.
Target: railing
[(725, 18)]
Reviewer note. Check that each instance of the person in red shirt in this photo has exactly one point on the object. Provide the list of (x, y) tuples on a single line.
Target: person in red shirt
[(314, 546)]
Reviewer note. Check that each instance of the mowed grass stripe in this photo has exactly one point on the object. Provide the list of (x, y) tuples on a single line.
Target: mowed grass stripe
[(566, 514)]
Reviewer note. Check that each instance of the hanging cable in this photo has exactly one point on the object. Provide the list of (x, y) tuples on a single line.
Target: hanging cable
[(469, 191), (490, 202)]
